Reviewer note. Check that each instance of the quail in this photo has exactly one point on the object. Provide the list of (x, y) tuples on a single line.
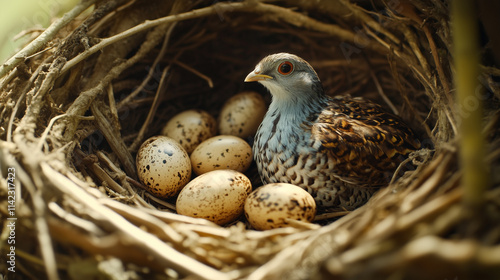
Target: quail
[(340, 149)]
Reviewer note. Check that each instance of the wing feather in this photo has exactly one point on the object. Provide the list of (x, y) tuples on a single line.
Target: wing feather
[(364, 139)]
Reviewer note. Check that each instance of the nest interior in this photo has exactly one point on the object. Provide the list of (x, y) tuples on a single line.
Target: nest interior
[(75, 111)]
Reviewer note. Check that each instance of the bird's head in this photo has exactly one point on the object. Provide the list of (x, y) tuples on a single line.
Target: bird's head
[(288, 78)]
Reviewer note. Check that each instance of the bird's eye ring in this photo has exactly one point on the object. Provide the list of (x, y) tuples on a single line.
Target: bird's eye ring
[(285, 68)]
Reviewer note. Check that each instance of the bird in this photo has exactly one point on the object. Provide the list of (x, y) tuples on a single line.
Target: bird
[(340, 149)]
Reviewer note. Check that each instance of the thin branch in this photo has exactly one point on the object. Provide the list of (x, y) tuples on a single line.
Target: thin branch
[(33, 183), (160, 252), (47, 130), (380, 89), (152, 111), (76, 221), (104, 177), (35, 107), (45, 37), (196, 72), (113, 138), (148, 24), (157, 60), (160, 89), (161, 202), (112, 106), (86, 97), (20, 100)]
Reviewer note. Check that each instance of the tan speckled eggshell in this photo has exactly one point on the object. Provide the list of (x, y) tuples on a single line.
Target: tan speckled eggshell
[(268, 206), (163, 166), (217, 196), (242, 114), (190, 128), (221, 152)]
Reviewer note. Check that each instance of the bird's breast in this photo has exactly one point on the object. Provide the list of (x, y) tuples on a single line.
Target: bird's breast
[(279, 144)]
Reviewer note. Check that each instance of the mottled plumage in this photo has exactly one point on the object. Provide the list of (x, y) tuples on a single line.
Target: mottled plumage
[(339, 149)]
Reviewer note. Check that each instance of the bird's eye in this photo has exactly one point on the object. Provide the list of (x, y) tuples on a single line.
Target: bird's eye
[(285, 68)]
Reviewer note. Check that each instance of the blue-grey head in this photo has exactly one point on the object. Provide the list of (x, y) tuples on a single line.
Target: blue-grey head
[(289, 79)]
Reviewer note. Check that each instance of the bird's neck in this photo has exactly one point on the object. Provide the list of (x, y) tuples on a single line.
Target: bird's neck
[(298, 108)]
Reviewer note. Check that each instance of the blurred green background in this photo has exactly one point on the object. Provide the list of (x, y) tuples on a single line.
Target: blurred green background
[(19, 15)]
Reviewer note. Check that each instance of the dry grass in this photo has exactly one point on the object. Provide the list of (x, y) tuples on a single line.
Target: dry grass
[(78, 101)]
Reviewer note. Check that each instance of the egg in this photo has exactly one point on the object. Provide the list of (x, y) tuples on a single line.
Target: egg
[(270, 205), (163, 166), (242, 114), (217, 196), (221, 152), (190, 128)]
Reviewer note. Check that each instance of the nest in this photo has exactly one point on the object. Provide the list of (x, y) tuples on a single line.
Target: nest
[(77, 102)]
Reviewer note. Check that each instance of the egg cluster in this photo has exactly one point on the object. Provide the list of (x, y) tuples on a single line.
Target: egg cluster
[(220, 192)]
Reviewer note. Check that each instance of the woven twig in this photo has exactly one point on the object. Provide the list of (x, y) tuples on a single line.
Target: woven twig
[(72, 118)]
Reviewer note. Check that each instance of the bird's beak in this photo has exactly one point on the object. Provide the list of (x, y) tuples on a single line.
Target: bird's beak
[(254, 77)]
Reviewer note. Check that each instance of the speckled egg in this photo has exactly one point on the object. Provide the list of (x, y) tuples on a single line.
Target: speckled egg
[(190, 128), (221, 152), (242, 114), (163, 166), (217, 196), (270, 205)]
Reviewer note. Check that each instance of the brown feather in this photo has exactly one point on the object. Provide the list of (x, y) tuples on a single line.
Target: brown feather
[(362, 137)]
